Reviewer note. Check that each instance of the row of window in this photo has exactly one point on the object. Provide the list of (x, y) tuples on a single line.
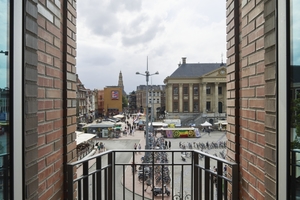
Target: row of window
[(185, 90), (196, 106), (154, 101)]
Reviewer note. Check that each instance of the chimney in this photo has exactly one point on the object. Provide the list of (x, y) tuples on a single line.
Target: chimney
[(183, 60)]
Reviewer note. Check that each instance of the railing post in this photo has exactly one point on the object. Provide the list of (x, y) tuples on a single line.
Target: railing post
[(85, 185), (99, 190), (110, 176), (196, 188), (206, 178), (70, 176), (235, 182)]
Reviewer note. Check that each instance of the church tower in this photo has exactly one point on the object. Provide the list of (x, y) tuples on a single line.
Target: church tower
[(120, 82)]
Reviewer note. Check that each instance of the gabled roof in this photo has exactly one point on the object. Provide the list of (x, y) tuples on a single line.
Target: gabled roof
[(189, 70)]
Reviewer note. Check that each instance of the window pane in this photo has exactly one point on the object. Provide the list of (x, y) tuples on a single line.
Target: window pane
[(294, 78), (208, 105), (295, 30), (207, 90), (195, 107), (185, 90), (195, 90), (219, 90), (4, 100), (185, 106), (175, 90)]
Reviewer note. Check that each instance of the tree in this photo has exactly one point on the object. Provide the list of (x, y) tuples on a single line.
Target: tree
[(124, 102), (295, 144)]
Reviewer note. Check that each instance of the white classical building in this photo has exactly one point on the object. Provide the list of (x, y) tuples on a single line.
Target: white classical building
[(197, 91)]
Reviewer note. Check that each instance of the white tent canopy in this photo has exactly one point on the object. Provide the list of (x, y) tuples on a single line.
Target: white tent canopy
[(83, 137), (158, 124), (222, 122), (206, 123), (118, 116)]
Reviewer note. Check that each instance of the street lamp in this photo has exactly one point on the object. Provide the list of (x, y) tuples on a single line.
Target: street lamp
[(152, 110), (147, 74)]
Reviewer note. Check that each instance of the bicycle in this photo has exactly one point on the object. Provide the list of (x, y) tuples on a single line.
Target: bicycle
[(186, 197)]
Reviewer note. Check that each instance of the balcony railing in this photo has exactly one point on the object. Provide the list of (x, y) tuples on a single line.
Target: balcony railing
[(191, 174)]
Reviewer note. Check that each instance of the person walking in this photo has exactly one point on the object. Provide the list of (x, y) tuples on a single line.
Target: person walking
[(169, 144), (133, 167), (135, 146), (139, 147)]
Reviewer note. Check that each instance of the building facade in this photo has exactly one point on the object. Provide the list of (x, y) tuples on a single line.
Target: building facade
[(132, 106), (100, 99), (197, 91), (113, 100), (262, 91), (156, 99), (37, 56)]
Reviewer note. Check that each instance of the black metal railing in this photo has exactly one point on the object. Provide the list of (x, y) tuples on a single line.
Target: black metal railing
[(127, 174), (4, 176)]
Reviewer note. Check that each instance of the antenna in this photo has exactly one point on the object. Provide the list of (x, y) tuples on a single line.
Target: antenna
[(147, 63)]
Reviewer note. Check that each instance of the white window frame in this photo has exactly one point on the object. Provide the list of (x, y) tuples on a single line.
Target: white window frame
[(281, 100)]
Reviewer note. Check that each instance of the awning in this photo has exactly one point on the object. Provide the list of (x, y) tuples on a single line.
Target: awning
[(223, 122), (118, 116), (206, 124), (83, 137), (158, 124)]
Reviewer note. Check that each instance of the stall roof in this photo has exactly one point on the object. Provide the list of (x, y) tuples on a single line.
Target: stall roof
[(118, 116), (175, 129), (83, 137), (158, 124), (103, 124)]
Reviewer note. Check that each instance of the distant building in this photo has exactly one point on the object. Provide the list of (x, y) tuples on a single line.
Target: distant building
[(156, 99), (100, 102), (132, 106), (196, 92), (113, 100)]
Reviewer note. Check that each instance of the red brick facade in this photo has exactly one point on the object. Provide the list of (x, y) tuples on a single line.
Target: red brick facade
[(251, 94), (50, 139)]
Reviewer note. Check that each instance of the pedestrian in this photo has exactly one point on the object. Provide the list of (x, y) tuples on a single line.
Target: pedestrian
[(98, 146), (148, 183), (139, 147), (135, 146), (133, 167), (169, 144), (225, 170), (166, 144)]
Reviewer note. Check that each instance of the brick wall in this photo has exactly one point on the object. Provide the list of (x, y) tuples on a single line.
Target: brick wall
[(50, 96), (251, 94)]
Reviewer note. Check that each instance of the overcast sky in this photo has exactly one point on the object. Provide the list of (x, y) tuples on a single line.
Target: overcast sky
[(118, 35)]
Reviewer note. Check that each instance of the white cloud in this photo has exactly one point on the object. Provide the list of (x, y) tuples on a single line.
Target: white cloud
[(116, 36)]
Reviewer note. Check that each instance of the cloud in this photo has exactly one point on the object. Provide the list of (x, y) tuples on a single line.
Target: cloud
[(145, 36), (116, 36)]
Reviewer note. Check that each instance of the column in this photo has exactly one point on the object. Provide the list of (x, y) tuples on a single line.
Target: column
[(180, 100), (203, 99), (169, 98), (191, 98), (216, 98)]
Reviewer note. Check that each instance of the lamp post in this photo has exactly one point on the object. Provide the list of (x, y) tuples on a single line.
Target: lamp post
[(152, 110), (147, 74)]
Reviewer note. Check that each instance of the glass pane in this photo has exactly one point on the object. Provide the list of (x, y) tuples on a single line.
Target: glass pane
[(294, 47), (4, 97), (295, 30)]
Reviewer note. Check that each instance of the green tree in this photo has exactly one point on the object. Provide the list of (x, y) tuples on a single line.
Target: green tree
[(124, 102), (295, 144)]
